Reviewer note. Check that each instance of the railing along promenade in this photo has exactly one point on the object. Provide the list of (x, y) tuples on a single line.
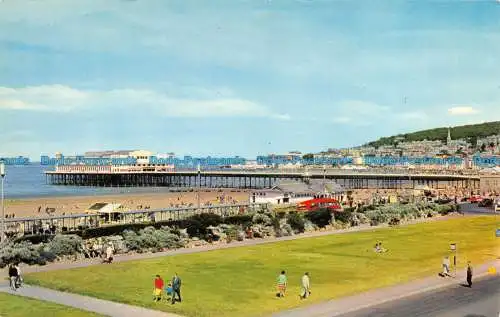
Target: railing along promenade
[(78, 222)]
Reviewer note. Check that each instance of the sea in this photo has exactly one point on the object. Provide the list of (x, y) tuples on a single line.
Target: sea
[(28, 181)]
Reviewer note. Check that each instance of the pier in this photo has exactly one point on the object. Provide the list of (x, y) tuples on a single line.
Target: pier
[(256, 179)]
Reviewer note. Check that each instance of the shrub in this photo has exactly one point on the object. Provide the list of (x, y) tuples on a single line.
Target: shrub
[(197, 225), (24, 252), (321, 218), (286, 230), (152, 239), (262, 219), (65, 245), (343, 216), (296, 222), (281, 214), (309, 226), (243, 220), (444, 209)]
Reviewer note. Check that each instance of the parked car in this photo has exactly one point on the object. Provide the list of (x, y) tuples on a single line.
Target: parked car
[(497, 204), (476, 199)]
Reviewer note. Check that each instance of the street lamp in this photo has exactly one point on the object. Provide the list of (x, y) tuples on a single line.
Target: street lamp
[(2, 176), (199, 184)]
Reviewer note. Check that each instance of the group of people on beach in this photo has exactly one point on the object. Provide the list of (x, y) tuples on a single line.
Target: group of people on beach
[(172, 290), (282, 284)]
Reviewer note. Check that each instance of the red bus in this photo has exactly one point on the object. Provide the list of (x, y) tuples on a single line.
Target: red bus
[(319, 203)]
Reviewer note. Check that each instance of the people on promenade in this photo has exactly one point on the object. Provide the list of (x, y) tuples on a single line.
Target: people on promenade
[(306, 286), (158, 288), (176, 288), (19, 278), (446, 266), (13, 277), (282, 282), (469, 274), (109, 253)]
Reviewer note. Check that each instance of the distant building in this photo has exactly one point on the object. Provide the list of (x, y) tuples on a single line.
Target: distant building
[(287, 192), (109, 154)]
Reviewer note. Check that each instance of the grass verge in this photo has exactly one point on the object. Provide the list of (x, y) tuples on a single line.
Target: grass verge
[(17, 306), (241, 281)]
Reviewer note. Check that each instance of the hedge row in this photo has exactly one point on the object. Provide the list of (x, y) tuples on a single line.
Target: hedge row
[(196, 225)]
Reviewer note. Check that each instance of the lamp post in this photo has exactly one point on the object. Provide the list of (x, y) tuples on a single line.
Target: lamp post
[(453, 248), (2, 229), (199, 184)]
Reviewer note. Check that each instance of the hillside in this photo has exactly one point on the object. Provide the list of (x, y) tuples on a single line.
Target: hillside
[(471, 132)]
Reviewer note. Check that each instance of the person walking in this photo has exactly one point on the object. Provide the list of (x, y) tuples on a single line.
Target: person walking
[(19, 278), (446, 266), (109, 253), (13, 277), (158, 288), (176, 288), (282, 284), (306, 286), (469, 274)]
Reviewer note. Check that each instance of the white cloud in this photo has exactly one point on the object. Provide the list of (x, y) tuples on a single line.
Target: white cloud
[(58, 98), (457, 111)]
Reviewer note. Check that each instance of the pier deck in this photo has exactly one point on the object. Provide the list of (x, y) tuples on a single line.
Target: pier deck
[(258, 179)]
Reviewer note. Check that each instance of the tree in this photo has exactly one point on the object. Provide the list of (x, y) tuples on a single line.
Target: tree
[(308, 156)]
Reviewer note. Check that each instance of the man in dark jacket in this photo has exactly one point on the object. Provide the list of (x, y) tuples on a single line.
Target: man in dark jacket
[(176, 288), (469, 274), (13, 275)]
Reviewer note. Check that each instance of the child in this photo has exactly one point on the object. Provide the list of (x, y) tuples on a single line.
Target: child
[(282, 284), (158, 288), (169, 290)]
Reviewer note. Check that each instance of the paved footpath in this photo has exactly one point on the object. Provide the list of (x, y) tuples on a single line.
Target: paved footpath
[(95, 305), (342, 306)]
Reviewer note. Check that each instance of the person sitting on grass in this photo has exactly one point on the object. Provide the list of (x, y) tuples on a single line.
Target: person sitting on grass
[(158, 288), (378, 248), (282, 283)]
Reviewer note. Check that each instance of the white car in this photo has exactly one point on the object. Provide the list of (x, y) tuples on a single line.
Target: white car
[(496, 204)]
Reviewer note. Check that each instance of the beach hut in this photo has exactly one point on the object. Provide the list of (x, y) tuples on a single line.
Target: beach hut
[(107, 212)]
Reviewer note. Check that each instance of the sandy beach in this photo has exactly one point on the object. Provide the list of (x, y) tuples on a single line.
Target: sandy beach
[(36, 207)]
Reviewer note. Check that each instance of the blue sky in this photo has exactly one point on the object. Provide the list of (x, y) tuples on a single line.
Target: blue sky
[(240, 77)]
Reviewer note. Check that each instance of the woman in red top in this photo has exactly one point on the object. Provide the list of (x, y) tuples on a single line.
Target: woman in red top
[(158, 288)]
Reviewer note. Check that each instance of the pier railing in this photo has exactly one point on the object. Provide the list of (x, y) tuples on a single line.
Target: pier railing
[(78, 222), (69, 169)]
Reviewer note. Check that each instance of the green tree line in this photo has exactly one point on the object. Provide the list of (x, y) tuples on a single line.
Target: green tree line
[(471, 132)]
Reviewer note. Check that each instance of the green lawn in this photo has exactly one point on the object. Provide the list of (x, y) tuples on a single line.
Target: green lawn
[(17, 306), (241, 281)]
